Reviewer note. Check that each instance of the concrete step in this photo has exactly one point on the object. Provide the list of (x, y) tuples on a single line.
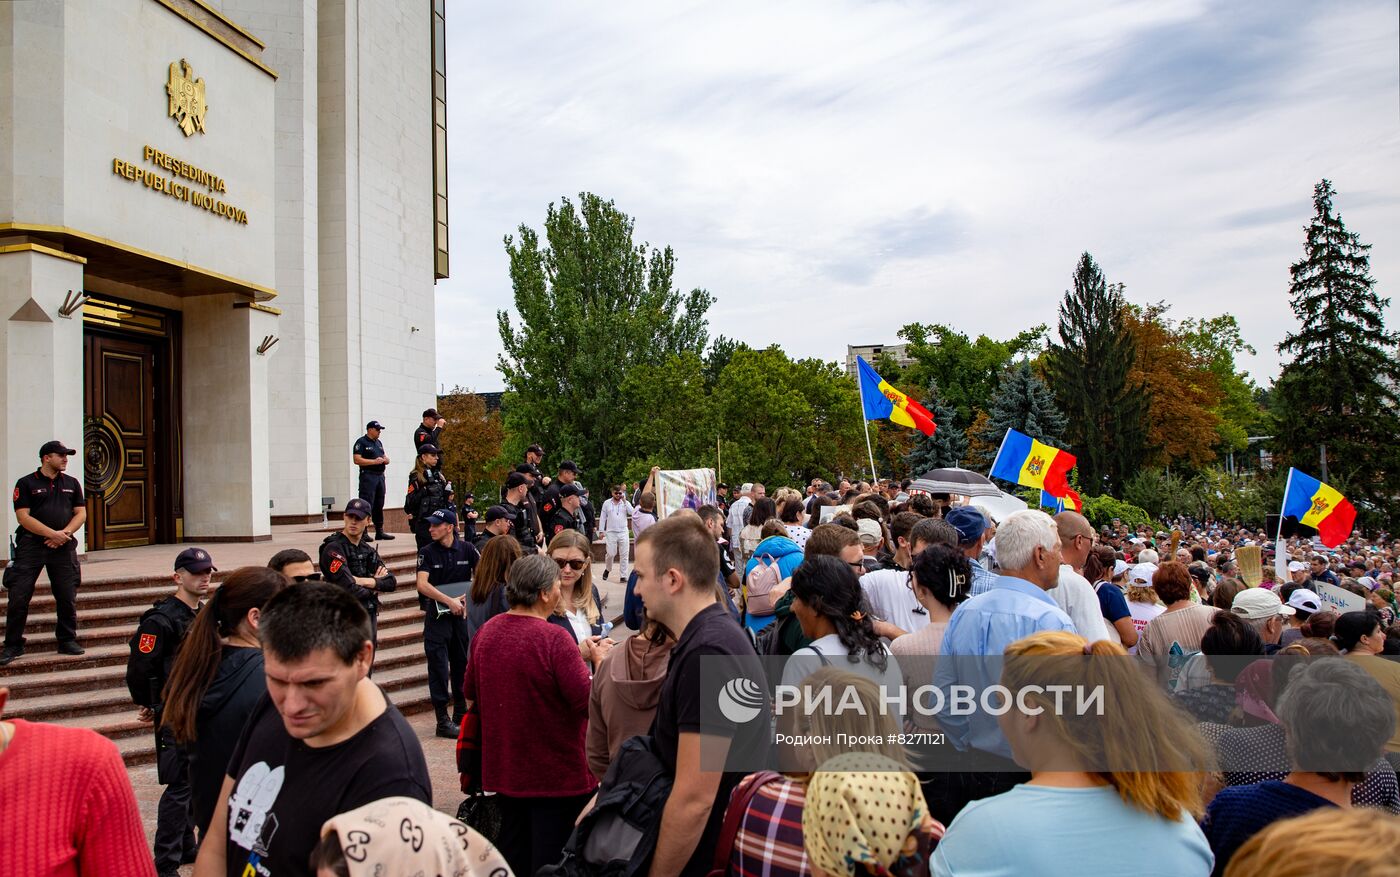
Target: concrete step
[(129, 614), (400, 624), (66, 675), (94, 578)]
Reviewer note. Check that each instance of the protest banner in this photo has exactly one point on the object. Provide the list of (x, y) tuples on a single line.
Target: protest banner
[(678, 489), (1339, 599)]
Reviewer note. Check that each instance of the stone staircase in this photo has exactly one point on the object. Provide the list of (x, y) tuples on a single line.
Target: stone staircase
[(89, 691)]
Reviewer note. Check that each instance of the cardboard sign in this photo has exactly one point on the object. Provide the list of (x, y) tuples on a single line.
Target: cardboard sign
[(1339, 599), (678, 489)]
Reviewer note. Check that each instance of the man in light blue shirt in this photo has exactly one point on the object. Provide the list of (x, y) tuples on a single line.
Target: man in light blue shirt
[(1016, 606)]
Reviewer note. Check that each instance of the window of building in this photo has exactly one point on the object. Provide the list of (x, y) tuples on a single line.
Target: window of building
[(439, 139)]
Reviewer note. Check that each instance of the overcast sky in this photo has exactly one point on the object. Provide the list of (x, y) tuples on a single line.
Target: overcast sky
[(833, 170)]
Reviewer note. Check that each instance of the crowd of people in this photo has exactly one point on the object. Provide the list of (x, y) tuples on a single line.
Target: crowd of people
[(1253, 730)]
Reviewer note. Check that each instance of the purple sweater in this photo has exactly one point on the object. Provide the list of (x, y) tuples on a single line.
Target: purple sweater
[(532, 690)]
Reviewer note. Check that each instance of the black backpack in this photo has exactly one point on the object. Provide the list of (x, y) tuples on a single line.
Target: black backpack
[(618, 836)]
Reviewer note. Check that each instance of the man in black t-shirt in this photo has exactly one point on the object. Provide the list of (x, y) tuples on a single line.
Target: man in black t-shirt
[(325, 739), (677, 567)]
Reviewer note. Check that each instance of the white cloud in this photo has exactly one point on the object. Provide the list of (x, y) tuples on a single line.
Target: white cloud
[(833, 170)]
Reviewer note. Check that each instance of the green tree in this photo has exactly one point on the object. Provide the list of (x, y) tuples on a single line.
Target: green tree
[(965, 370), (784, 422), (720, 352), (592, 305), (666, 421), (946, 447), (1339, 389), (1089, 370), (1216, 342), (1025, 404)]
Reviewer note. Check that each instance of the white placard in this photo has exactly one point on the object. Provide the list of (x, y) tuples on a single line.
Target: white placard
[(1339, 599)]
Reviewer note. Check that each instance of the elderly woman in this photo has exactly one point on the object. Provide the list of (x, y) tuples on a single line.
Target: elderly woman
[(529, 687), (1336, 719)]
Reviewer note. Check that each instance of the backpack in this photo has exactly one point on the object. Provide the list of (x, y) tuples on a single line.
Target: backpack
[(764, 586), (618, 836)]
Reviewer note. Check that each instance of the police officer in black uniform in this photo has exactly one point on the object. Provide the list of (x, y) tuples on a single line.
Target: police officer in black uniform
[(566, 514), (568, 474), (513, 495), (469, 515), (153, 649), (370, 457), (533, 503), (447, 559), (500, 521), (349, 559), (429, 431), (50, 509), (428, 491)]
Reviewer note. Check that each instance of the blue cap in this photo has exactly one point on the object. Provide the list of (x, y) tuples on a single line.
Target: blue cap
[(442, 516), (968, 521)]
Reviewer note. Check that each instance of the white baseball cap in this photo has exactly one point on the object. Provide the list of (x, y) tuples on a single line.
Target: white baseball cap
[(1119, 567), (1305, 600), (870, 530), (1140, 576), (1297, 566), (1256, 603)]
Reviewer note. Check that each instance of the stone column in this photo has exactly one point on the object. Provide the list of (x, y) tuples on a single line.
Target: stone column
[(41, 361), (225, 430)]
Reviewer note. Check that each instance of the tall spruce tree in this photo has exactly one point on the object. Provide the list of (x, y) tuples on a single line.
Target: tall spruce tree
[(1023, 403), (948, 444), (1340, 388), (1088, 372)]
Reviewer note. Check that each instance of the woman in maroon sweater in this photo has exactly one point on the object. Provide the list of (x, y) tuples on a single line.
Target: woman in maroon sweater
[(531, 687)]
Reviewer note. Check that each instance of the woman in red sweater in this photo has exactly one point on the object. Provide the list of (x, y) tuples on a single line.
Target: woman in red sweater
[(66, 805), (530, 685)]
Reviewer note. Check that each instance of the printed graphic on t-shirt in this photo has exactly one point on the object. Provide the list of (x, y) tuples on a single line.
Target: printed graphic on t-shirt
[(250, 823)]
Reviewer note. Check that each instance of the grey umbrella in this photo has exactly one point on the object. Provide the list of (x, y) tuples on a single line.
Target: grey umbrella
[(953, 480)]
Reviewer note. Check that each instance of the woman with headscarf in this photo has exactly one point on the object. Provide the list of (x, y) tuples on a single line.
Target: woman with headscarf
[(865, 815), (403, 836), (768, 839), (1109, 793)]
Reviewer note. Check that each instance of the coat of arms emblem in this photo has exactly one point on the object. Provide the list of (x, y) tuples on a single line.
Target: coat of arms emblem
[(187, 105), (1319, 505), (1035, 465)]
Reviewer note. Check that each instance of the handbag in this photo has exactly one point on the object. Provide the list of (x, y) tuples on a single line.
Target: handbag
[(738, 805), (480, 810)]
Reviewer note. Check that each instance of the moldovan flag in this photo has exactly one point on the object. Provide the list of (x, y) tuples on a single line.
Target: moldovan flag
[(883, 401), (1319, 506), (1027, 462), (1069, 501)]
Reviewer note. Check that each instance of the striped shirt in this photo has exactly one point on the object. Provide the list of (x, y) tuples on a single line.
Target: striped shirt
[(769, 842)]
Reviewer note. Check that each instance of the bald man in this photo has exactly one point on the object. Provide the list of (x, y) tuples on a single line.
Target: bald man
[(1074, 594)]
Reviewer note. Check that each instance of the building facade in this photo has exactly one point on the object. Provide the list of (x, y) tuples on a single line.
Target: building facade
[(898, 352), (221, 222)]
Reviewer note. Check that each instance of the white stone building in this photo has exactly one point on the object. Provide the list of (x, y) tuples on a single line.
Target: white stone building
[(899, 352), (213, 175)]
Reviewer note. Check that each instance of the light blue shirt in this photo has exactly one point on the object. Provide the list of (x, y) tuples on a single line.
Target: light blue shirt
[(1051, 832), (982, 578), (985, 625)]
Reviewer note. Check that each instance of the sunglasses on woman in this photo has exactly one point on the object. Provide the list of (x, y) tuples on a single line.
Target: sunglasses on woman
[(575, 565)]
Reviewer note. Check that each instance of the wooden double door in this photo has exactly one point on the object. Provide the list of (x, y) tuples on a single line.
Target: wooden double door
[(130, 441)]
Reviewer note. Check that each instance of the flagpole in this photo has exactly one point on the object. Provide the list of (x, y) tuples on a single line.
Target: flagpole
[(1000, 448), (860, 388)]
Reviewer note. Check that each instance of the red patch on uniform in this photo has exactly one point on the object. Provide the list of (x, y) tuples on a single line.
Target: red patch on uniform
[(336, 564), (147, 643), (411, 487), (16, 496), (558, 528)]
